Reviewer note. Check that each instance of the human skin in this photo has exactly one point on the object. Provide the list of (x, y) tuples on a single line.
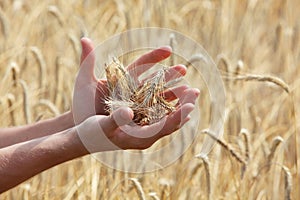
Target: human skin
[(28, 150)]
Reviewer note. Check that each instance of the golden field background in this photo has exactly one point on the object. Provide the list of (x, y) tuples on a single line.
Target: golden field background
[(39, 58)]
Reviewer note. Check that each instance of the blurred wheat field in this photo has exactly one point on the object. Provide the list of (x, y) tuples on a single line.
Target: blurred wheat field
[(254, 44)]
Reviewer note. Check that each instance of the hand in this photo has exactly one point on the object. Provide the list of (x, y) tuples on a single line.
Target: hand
[(90, 93), (102, 132)]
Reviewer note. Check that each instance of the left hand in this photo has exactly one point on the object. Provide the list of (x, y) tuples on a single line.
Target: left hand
[(90, 93)]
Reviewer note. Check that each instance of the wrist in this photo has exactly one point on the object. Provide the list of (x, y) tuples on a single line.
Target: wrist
[(76, 147), (66, 120)]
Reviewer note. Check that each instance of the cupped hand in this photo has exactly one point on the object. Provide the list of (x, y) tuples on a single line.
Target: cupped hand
[(113, 132), (100, 131), (90, 93)]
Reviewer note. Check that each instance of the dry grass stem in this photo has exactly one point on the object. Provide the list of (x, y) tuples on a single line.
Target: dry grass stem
[(276, 141), (146, 100), (41, 64), (205, 160), (13, 70), (263, 78), (39, 117), (195, 169), (234, 121), (153, 195), (4, 24), (10, 100), (49, 105), (172, 45), (238, 69), (75, 45), (53, 10), (245, 135), (138, 187), (226, 147), (57, 78), (296, 38), (26, 107), (196, 58), (223, 63), (287, 183)]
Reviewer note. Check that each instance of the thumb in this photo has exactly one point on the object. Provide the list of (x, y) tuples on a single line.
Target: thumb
[(87, 61), (119, 117)]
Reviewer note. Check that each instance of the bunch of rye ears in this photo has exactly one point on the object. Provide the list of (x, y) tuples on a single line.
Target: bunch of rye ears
[(146, 100)]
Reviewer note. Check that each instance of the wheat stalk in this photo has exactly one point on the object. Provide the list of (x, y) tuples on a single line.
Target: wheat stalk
[(287, 182), (57, 78), (15, 71), (196, 58), (26, 107), (172, 45), (138, 187), (153, 195), (12, 70), (245, 135), (41, 64), (276, 141), (234, 120), (239, 67), (48, 104), (227, 147), (205, 160), (263, 78), (74, 41), (11, 99), (57, 14), (195, 169), (278, 36), (39, 117), (296, 38), (223, 63), (4, 24)]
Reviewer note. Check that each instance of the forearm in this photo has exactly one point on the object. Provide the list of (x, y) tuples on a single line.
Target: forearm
[(24, 160), (14, 135)]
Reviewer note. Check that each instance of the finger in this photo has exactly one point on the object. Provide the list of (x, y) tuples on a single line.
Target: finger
[(180, 114), (148, 60), (185, 120), (170, 74), (174, 93), (189, 96), (119, 117), (145, 136), (87, 62), (177, 119), (175, 72)]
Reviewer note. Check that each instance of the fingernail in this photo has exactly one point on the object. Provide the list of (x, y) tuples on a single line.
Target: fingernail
[(196, 91), (163, 51), (166, 48), (182, 69)]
